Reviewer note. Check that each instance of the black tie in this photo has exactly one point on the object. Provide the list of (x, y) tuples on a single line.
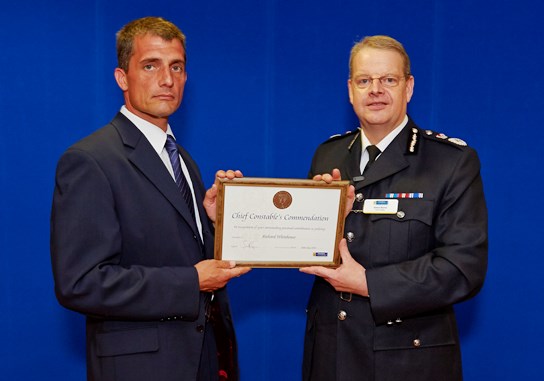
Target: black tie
[(181, 181), (373, 153)]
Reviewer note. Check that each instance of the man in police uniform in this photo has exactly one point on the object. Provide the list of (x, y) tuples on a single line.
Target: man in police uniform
[(416, 238)]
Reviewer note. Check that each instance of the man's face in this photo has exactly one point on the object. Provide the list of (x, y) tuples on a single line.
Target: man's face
[(153, 85), (378, 106)]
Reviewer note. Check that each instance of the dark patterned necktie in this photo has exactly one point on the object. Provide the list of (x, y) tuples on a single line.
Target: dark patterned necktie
[(181, 181), (373, 153)]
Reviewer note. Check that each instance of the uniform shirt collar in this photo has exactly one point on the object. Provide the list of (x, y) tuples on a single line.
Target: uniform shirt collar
[(384, 143)]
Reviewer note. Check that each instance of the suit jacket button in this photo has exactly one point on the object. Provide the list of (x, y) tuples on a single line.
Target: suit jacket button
[(342, 315), (417, 343), (200, 328)]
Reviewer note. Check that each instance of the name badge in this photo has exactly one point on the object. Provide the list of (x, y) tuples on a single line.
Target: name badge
[(380, 206)]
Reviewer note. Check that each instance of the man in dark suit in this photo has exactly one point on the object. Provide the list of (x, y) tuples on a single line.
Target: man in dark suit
[(415, 241), (131, 241)]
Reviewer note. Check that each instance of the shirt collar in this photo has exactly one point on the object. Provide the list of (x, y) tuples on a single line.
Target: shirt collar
[(155, 135), (384, 143)]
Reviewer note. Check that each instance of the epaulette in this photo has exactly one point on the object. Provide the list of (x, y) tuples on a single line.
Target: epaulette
[(438, 136), (344, 135), (412, 144)]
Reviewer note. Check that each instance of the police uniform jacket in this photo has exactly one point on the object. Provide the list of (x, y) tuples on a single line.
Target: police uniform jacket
[(421, 260)]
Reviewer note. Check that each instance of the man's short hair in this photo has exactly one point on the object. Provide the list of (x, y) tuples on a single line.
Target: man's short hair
[(156, 26), (384, 43)]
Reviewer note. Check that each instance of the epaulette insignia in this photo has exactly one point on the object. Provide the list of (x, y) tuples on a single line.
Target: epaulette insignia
[(458, 141), (444, 137)]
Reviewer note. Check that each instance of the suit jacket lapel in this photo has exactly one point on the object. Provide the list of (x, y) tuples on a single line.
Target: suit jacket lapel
[(145, 158)]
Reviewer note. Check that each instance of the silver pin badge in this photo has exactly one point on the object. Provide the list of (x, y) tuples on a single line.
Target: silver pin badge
[(457, 141)]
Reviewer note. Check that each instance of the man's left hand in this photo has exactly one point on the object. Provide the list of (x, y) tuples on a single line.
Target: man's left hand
[(210, 200), (335, 175), (350, 276)]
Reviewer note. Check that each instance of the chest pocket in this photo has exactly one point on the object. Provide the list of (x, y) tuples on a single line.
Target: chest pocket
[(402, 236)]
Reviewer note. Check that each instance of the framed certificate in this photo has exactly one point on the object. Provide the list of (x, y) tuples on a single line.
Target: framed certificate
[(263, 222)]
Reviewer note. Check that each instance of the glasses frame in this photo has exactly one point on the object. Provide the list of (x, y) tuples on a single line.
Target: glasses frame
[(382, 79)]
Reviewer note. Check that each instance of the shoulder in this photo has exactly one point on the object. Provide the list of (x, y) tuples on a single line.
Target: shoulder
[(102, 139), (417, 137), (432, 144), (101, 147), (453, 152), (344, 140), (343, 136)]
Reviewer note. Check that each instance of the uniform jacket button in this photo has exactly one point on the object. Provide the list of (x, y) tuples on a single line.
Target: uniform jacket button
[(200, 328), (359, 197), (342, 315), (401, 214), (417, 343), (350, 236), (398, 320)]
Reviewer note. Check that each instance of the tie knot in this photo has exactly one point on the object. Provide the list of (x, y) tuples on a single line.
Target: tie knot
[(373, 153), (170, 144)]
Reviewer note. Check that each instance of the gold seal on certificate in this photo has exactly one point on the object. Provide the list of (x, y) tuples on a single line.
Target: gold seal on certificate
[(264, 222)]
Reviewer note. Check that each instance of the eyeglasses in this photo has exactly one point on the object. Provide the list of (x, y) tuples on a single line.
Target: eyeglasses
[(386, 81)]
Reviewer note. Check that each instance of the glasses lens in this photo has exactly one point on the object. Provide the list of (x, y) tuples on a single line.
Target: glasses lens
[(363, 82), (389, 81)]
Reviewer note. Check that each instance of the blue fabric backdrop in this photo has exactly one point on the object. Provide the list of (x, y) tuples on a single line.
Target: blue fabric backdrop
[(267, 84)]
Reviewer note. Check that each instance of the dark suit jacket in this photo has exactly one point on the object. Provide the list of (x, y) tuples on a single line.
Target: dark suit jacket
[(123, 248), (420, 261)]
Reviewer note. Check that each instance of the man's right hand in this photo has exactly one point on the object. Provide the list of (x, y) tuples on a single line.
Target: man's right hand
[(214, 274)]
